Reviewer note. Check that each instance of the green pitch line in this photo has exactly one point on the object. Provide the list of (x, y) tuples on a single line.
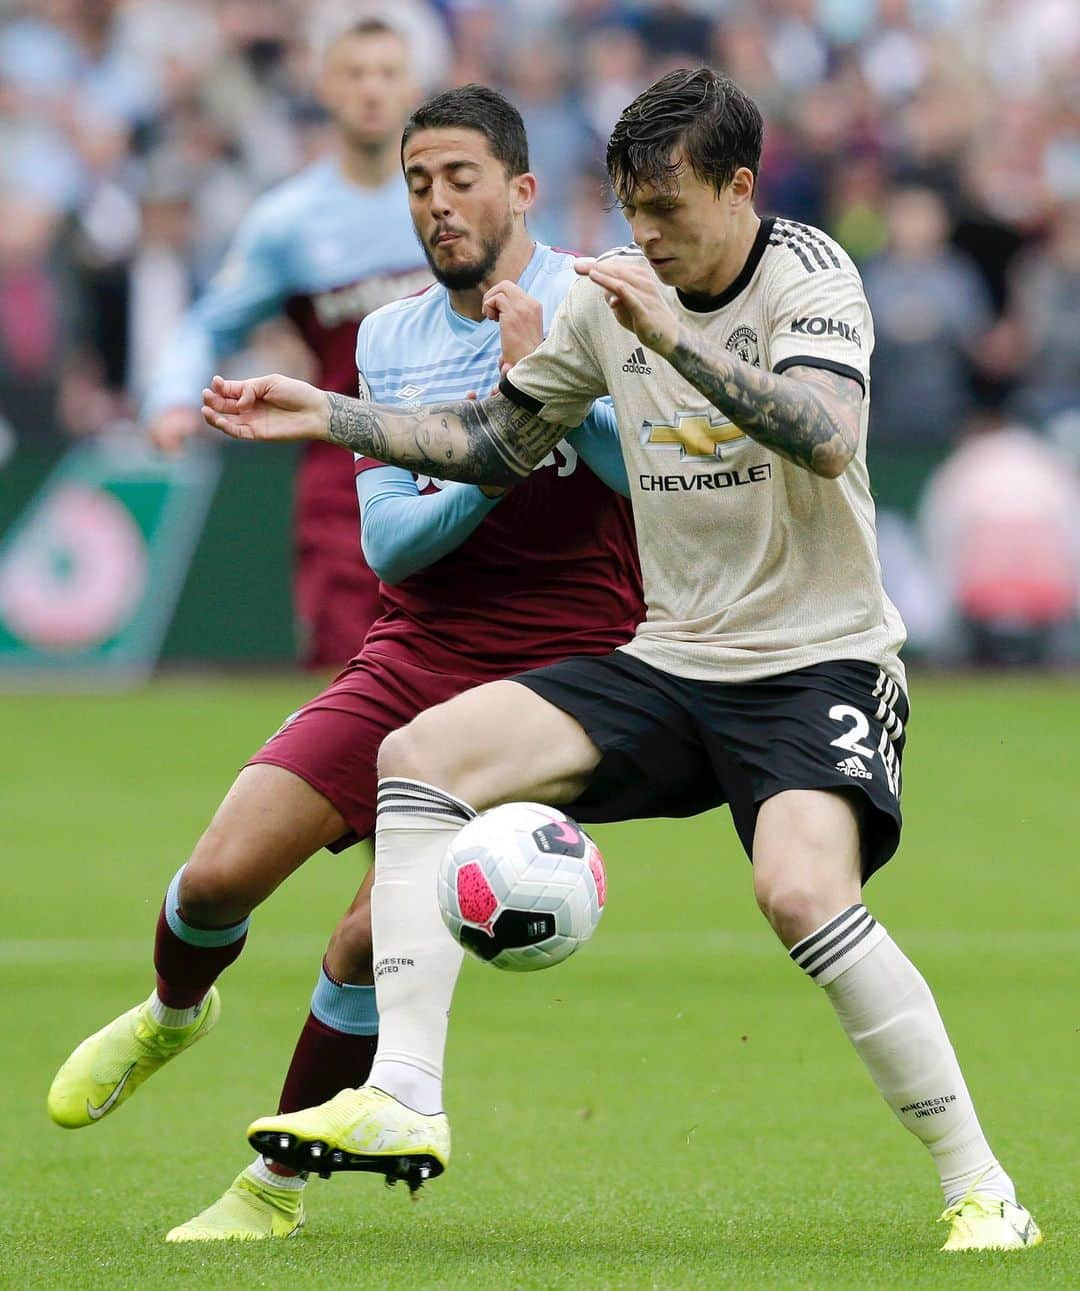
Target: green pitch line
[(675, 1107)]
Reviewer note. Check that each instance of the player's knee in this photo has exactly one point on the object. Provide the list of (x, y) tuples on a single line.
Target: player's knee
[(417, 752), (210, 894), (790, 904)]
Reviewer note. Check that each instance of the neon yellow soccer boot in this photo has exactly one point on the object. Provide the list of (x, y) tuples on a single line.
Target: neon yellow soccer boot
[(979, 1222), (358, 1129), (248, 1211), (109, 1066)]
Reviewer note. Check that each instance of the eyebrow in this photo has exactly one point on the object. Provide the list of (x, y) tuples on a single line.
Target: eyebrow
[(648, 203), (417, 169)]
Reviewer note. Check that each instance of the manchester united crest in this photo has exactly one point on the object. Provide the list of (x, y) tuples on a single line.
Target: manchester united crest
[(743, 342)]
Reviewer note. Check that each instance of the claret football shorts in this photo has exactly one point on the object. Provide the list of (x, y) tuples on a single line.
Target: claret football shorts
[(333, 741), (673, 746)]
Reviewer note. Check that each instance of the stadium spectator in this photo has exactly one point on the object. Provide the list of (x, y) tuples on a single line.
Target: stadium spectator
[(1001, 526), (1045, 306), (930, 312), (33, 328)]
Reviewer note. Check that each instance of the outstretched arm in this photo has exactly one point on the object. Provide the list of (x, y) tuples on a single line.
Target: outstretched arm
[(487, 441), (808, 414)]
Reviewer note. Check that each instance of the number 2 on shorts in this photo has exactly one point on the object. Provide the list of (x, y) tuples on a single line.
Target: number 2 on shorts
[(859, 730)]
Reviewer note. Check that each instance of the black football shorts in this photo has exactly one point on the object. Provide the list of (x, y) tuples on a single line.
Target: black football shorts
[(673, 746)]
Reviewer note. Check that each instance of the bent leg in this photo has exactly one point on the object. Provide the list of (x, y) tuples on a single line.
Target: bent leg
[(337, 1042), (497, 743), (807, 865), (267, 826), (269, 823)]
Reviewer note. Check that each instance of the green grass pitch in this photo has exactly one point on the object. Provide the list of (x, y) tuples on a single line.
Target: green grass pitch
[(675, 1107)]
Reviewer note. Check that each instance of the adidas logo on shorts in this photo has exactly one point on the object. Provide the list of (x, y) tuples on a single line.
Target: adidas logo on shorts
[(637, 363), (855, 768)]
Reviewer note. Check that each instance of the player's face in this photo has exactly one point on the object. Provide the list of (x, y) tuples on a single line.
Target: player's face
[(684, 234), (464, 205), (367, 87)]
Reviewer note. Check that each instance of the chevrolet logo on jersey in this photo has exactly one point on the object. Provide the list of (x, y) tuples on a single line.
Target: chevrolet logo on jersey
[(698, 434)]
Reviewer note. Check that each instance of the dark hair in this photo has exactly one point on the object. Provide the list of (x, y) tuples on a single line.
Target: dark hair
[(716, 125), (370, 27), (475, 107)]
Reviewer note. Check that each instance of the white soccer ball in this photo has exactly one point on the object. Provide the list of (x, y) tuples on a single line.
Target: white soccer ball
[(522, 886)]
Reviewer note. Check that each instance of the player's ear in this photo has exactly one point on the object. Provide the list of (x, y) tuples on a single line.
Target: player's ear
[(741, 188), (522, 192)]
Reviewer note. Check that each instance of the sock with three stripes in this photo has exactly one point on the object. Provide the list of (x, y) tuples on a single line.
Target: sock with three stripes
[(890, 1016), (416, 960)]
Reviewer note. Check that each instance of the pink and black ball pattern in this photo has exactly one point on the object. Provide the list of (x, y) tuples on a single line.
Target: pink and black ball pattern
[(522, 886)]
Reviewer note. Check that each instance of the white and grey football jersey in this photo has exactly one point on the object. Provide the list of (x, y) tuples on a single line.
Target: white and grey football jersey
[(752, 565)]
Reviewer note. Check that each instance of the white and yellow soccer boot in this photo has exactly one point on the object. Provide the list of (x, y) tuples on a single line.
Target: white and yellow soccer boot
[(358, 1129), (109, 1066), (979, 1222), (248, 1211)]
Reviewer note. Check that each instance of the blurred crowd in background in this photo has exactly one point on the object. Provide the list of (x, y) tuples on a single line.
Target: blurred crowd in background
[(937, 140)]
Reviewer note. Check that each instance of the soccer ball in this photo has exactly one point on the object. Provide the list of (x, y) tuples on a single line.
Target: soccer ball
[(522, 886)]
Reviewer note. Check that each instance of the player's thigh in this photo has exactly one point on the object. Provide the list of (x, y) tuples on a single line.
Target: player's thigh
[(333, 741), (268, 824), (348, 956), (807, 859), (496, 743)]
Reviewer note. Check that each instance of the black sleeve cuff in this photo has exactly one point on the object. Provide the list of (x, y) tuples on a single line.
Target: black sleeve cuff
[(829, 365), (523, 400)]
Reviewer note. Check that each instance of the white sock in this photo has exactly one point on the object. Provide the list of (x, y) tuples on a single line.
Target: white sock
[(890, 1017), (417, 1089), (416, 959), (168, 1017), (261, 1172)]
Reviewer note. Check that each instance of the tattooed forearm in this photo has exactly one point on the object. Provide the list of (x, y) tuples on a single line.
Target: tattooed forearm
[(487, 441), (809, 415)]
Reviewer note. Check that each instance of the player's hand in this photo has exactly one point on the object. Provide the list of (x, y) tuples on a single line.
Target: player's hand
[(171, 429), (520, 318), (273, 408), (633, 292)]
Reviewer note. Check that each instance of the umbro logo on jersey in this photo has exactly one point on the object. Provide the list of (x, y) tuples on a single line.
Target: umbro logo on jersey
[(637, 363), (409, 391), (854, 768)]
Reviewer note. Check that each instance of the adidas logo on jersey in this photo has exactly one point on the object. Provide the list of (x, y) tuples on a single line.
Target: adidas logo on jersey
[(637, 363), (855, 768)]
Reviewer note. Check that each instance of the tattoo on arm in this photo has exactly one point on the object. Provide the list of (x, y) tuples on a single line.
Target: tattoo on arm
[(809, 415), (489, 441)]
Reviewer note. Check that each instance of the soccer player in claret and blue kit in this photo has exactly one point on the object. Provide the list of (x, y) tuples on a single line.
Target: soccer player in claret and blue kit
[(325, 248), (477, 585), (766, 675)]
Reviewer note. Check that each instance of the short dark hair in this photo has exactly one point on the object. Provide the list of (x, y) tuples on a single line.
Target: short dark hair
[(371, 27), (360, 29), (717, 126), (476, 107)]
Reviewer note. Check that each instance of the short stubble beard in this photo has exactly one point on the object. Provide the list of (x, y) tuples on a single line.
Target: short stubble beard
[(472, 275)]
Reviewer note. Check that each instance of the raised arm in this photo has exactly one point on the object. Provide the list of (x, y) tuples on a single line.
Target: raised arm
[(487, 441), (810, 415)]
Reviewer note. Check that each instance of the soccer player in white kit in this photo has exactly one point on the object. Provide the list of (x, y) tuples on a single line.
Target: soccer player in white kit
[(766, 674)]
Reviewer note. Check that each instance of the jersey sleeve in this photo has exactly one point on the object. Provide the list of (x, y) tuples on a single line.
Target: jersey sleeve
[(560, 379), (403, 530), (250, 287), (599, 447), (821, 320)]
